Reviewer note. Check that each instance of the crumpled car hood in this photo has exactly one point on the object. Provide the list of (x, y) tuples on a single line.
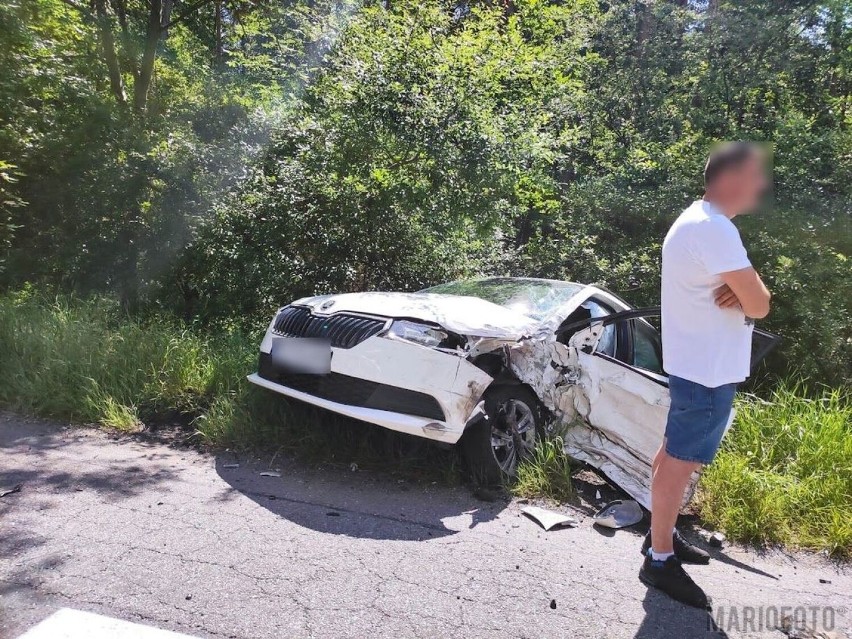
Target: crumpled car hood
[(470, 316)]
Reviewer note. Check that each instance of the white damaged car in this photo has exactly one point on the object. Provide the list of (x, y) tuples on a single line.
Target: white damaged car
[(494, 364)]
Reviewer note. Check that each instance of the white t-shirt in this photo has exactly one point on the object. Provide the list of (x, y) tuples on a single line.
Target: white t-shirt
[(702, 342)]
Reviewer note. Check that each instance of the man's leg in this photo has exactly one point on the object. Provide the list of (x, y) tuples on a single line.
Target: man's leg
[(657, 459), (668, 484), (696, 423), (684, 551), (661, 568)]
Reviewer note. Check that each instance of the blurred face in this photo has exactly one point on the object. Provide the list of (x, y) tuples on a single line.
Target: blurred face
[(743, 186)]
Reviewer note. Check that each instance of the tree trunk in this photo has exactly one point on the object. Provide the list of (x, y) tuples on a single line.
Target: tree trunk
[(168, 5), (107, 41), (219, 53), (153, 32)]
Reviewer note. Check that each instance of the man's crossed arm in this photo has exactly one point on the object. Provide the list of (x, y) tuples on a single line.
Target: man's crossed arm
[(745, 289)]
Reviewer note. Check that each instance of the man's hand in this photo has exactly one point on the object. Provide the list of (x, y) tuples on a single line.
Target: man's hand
[(726, 298), (749, 291)]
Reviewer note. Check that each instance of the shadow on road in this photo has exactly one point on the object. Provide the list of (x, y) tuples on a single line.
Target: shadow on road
[(721, 557), (665, 618), (28, 453), (369, 505)]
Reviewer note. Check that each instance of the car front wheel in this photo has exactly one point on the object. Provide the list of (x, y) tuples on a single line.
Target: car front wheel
[(494, 447)]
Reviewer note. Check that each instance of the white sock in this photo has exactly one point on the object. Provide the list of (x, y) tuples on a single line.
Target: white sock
[(660, 556)]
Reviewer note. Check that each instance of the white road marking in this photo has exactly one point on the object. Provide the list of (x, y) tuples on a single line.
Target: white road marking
[(76, 624)]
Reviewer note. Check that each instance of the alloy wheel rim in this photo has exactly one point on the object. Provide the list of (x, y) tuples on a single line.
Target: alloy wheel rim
[(513, 435)]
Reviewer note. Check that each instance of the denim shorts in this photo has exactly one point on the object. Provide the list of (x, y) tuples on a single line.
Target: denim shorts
[(697, 419)]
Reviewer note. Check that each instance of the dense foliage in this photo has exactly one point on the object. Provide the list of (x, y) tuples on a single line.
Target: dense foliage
[(219, 157)]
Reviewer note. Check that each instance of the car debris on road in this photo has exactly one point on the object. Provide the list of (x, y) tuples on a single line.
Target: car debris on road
[(549, 519), (620, 513), (11, 491)]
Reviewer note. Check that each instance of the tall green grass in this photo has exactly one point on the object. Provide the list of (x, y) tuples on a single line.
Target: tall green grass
[(784, 474), (85, 360), (546, 473)]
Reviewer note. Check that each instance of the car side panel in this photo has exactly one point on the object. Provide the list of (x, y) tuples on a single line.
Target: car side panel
[(624, 417)]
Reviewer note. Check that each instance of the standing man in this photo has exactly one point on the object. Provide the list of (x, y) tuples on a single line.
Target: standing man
[(711, 295)]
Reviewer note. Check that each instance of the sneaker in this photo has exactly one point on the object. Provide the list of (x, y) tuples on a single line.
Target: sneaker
[(670, 577), (683, 550)]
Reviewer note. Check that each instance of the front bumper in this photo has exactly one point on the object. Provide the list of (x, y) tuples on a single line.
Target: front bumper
[(409, 424), (398, 385)]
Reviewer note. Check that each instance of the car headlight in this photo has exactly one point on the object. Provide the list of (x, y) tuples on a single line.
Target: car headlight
[(422, 334)]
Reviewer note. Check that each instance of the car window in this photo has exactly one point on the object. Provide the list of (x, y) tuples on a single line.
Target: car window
[(608, 341), (647, 351)]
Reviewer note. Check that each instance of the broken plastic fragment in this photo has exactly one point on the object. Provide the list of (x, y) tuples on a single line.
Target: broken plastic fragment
[(269, 473), (548, 519), (11, 491), (619, 514)]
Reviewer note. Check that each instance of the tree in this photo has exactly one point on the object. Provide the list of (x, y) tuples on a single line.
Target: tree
[(127, 120)]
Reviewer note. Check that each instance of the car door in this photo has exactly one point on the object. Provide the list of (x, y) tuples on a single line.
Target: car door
[(626, 405), (620, 369)]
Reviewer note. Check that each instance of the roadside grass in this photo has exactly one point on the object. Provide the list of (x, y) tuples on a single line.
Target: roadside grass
[(784, 475), (546, 473), (84, 360)]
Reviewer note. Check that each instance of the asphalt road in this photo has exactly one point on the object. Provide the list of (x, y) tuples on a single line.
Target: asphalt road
[(173, 538)]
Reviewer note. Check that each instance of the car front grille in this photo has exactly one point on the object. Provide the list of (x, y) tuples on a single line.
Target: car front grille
[(344, 389), (344, 330)]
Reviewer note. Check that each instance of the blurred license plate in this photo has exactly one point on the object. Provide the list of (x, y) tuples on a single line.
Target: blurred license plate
[(302, 354)]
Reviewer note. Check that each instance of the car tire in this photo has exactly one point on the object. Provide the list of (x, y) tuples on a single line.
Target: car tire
[(493, 447)]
